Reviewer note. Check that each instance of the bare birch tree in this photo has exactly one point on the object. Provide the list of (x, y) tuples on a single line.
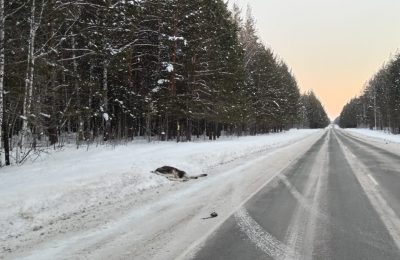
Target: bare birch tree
[(34, 23)]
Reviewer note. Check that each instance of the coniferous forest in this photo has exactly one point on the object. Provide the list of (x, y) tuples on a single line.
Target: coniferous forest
[(104, 71), (379, 105)]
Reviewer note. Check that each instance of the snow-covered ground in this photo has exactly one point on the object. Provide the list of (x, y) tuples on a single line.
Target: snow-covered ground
[(374, 134), (70, 182)]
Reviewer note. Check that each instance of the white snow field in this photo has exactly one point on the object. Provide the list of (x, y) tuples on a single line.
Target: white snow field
[(375, 135), (105, 202)]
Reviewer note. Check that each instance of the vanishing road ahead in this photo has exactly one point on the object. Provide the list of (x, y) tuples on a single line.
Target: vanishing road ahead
[(340, 200)]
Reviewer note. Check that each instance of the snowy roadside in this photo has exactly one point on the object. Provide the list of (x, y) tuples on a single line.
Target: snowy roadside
[(375, 135), (380, 139), (37, 194)]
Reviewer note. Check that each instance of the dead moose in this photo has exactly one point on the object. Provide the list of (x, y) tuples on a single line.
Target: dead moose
[(174, 174)]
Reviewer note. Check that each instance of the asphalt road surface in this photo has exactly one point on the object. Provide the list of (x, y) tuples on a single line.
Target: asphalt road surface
[(341, 200)]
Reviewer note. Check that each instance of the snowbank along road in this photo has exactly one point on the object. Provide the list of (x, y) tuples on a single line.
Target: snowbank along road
[(329, 194)]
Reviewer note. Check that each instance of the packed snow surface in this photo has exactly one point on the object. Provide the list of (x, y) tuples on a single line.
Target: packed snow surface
[(50, 195), (63, 183)]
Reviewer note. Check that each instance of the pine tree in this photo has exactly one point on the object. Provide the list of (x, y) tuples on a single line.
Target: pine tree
[(316, 115), (379, 104), (90, 71)]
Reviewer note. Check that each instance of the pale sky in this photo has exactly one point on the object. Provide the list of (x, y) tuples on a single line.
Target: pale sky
[(332, 46)]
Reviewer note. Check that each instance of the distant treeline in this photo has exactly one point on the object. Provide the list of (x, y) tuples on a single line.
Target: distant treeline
[(379, 105), (160, 69)]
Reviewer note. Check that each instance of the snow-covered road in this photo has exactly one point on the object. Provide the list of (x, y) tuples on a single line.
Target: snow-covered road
[(105, 202), (340, 200)]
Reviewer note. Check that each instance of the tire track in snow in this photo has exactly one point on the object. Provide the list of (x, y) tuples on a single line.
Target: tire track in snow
[(301, 231), (301, 221), (261, 238)]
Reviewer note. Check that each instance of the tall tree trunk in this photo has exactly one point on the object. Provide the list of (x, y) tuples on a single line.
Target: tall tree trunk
[(52, 122), (29, 75), (89, 125), (106, 116), (2, 21), (167, 132), (189, 95), (188, 129), (178, 131), (77, 91), (6, 142), (148, 126), (174, 57)]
